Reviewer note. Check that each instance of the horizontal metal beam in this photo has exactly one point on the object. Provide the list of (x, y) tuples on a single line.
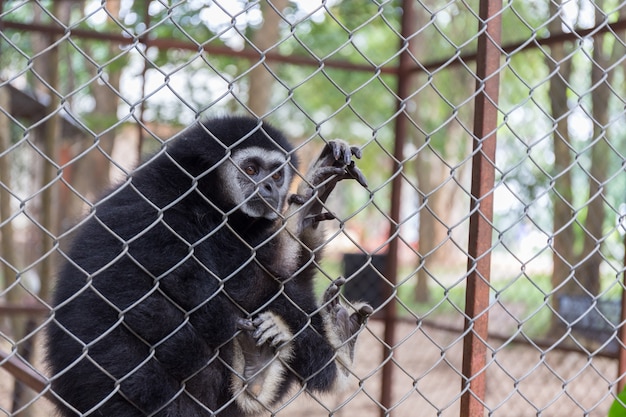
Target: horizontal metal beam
[(247, 53), (162, 43), (22, 372)]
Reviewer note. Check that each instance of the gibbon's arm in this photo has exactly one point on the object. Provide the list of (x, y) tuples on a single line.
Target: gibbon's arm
[(308, 343), (334, 338)]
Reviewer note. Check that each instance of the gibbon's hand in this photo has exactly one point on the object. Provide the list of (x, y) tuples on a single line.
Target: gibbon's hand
[(261, 348), (334, 164), (340, 324)]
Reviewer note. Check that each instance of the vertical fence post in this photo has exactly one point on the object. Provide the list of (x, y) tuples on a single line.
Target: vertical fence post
[(403, 75), (481, 209), (621, 356)]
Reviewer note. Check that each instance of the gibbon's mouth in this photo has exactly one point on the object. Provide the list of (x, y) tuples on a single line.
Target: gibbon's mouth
[(265, 207)]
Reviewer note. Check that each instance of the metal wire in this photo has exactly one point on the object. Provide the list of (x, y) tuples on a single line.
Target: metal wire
[(524, 312)]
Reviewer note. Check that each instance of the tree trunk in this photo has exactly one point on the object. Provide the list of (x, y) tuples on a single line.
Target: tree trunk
[(261, 77), (9, 263), (589, 271), (563, 216), (578, 273), (90, 175), (427, 222)]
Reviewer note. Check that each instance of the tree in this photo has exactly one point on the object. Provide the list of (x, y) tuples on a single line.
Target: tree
[(579, 224), (90, 173), (264, 39), (604, 57), (563, 233)]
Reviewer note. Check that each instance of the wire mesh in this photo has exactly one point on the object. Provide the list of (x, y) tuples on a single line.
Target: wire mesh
[(93, 92)]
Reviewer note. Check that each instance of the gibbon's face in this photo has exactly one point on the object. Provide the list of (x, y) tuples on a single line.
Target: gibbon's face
[(257, 180)]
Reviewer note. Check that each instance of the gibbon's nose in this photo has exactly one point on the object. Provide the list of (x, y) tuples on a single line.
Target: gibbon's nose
[(266, 189)]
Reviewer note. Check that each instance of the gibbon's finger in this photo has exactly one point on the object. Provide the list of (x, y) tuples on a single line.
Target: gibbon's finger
[(356, 173), (280, 338), (342, 319), (336, 148), (332, 298), (312, 221), (330, 295), (262, 329), (359, 317), (297, 199), (301, 199), (244, 324), (265, 332), (365, 311), (323, 217), (324, 174), (339, 281), (342, 152), (347, 155), (263, 338), (356, 152)]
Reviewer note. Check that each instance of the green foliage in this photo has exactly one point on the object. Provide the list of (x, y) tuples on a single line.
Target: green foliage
[(525, 295), (359, 106), (618, 408), (444, 301)]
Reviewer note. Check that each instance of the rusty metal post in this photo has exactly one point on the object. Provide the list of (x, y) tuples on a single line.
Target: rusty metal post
[(391, 268), (621, 355), (481, 209)]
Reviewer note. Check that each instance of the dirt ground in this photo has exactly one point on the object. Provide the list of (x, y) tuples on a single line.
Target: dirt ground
[(522, 381)]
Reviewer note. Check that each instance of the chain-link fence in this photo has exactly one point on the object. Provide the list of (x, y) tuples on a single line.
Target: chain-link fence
[(488, 239)]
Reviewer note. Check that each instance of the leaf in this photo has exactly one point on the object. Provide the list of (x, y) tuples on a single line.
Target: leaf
[(618, 408)]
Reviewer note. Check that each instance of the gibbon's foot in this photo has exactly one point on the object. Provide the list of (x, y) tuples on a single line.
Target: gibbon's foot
[(270, 329), (340, 323), (264, 343), (334, 164)]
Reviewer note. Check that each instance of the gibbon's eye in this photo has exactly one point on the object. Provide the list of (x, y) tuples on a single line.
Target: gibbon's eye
[(251, 170), (277, 176)]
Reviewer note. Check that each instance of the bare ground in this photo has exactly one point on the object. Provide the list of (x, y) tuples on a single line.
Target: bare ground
[(521, 380)]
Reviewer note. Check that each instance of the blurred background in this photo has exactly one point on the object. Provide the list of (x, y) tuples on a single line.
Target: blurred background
[(490, 238)]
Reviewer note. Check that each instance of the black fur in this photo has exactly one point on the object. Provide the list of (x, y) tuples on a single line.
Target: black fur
[(148, 298)]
